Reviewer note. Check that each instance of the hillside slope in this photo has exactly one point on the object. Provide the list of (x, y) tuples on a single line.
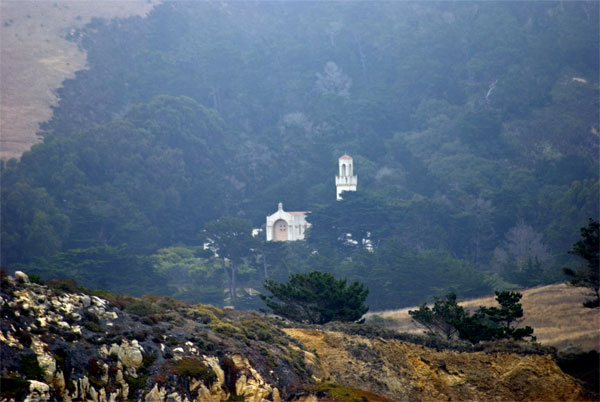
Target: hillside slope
[(67, 345), (472, 126), (36, 56), (554, 311), (407, 372)]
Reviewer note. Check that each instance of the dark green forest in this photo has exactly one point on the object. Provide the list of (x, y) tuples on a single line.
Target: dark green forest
[(473, 127)]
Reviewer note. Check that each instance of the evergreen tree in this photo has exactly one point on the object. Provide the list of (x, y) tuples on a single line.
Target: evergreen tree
[(587, 248), (444, 318), (231, 238), (447, 318), (491, 323), (316, 298)]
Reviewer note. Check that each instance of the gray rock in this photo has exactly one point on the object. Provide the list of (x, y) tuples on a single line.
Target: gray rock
[(22, 277)]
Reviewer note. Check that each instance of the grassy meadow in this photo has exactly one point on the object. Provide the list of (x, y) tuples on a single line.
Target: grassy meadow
[(554, 311), (35, 58)]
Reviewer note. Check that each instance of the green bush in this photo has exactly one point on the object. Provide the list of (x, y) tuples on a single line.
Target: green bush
[(92, 326), (345, 394), (142, 309), (135, 384), (31, 368), (13, 388), (194, 367)]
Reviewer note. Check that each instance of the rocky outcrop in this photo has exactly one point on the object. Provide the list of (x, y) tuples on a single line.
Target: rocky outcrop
[(408, 372), (75, 346), (59, 345)]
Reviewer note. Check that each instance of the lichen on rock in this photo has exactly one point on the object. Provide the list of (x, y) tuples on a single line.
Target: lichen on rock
[(201, 353)]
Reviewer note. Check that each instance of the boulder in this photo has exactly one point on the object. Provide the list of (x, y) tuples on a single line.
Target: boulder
[(21, 276), (38, 392)]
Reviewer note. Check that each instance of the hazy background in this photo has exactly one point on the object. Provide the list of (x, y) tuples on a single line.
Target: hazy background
[(473, 127)]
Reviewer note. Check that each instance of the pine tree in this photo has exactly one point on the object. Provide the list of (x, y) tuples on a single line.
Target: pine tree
[(589, 276), (316, 298)]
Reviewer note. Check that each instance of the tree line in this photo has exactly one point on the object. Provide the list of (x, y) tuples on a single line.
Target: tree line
[(471, 137)]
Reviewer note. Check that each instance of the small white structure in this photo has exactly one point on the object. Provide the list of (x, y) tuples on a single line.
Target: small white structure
[(286, 226), (346, 181)]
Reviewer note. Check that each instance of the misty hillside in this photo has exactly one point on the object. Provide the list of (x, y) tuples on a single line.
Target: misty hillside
[(473, 127)]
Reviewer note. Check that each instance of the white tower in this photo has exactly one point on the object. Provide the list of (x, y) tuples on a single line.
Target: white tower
[(346, 181)]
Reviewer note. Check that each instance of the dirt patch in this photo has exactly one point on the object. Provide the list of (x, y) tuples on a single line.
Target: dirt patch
[(35, 58), (408, 372)]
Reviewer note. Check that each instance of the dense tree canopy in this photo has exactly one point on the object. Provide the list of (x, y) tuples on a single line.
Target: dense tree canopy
[(473, 127)]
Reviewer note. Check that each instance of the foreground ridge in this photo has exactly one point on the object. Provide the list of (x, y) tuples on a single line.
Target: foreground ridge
[(63, 342)]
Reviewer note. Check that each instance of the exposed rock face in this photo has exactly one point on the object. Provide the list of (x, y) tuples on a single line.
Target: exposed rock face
[(408, 372), (74, 346), (38, 391), (82, 347)]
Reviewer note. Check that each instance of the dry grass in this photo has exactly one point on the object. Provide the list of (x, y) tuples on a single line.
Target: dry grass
[(35, 58), (555, 312)]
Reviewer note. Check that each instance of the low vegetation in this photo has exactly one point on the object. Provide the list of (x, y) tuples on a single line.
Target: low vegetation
[(194, 367), (13, 388), (345, 394)]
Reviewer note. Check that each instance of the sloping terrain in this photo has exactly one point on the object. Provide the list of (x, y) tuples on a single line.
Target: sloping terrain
[(408, 372), (64, 343), (554, 311), (36, 56)]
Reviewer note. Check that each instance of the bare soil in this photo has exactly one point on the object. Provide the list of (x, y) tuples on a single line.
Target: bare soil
[(36, 57)]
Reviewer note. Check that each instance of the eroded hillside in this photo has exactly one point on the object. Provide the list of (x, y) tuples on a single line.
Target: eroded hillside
[(63, 343), (407, 372)]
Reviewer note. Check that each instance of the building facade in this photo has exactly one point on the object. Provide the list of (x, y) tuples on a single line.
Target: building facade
[(286, 226), (346, 180)]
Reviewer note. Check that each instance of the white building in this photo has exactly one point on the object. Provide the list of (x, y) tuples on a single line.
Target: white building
[(286, 226), (346, 181)]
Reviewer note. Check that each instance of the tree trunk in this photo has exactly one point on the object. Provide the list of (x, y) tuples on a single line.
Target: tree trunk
[(232, 284)]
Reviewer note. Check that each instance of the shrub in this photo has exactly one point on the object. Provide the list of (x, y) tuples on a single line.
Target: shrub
[(204, 314), (194, 367), (64, 284), (13, 388), (135, 384), (142, 309), (258, 330), (31, 368), (227, 329), (33, 278), (92, 326), (345, 394)]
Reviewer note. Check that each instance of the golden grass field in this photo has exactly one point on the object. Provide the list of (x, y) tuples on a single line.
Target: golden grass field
[(555, 312), (35, 58)]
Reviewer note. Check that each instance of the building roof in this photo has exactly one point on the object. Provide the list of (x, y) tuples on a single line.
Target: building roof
[(345, 157), (296, 212)]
